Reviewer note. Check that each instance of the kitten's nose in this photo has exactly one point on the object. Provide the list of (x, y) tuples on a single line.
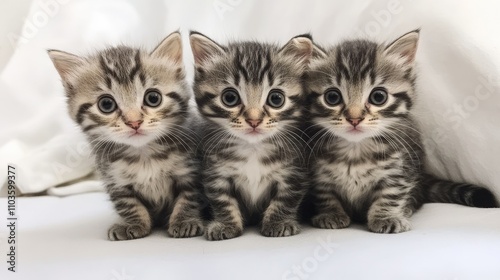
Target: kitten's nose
[(253, 123), (355, 122), (135, 124)]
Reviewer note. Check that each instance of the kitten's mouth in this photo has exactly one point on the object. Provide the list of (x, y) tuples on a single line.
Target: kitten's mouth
[(355, 130), (253, 131), (136, 133)]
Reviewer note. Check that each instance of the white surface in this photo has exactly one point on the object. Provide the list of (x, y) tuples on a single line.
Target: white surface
[(65, 238)]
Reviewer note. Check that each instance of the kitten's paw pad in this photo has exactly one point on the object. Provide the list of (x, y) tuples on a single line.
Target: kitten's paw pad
[(331, 221), (188, 228), (127, 232), (280, 229), (389, 225), (220, 231)]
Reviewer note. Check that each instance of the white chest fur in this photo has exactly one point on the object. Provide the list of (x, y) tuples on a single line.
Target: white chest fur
[(356, 173), (152, 177), (252, 177)]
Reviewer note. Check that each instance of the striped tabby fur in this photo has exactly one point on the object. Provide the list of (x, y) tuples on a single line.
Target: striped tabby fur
[(253, 163), (145, 154), (368, 157)]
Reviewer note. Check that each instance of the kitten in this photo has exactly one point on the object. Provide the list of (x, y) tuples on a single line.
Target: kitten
[(133, 108), (368, 155), (251, 95)]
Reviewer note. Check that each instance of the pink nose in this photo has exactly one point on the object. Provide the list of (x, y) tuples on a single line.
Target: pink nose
[(355, 122), (253, 123), (135, 124)]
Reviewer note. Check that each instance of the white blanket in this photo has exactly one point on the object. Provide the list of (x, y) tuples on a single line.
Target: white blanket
[(458, 56)]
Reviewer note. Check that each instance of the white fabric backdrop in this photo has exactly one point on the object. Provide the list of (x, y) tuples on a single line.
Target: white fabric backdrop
[(458, 58)]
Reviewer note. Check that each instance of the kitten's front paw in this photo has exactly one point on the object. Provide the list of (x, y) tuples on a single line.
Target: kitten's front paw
[(331, 220), (389, 225), (127, 232), (188, 228), (219, 231), (280, 229)]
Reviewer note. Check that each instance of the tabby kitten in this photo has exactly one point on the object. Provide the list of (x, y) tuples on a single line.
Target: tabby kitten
[(368, 155), (251, 95), (133, 108)]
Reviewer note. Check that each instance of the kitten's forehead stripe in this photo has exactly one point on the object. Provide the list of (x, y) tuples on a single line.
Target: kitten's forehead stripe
[(270, 77), (121, 64), (142, 77), (265, 69), (237, 77), (239, 64), (342, 68), (355, 60), (253, 61), (136, 67)]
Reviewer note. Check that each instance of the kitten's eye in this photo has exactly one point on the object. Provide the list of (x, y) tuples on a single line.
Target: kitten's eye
[(378, 96), (230, 97), (152, 98), (106, 104), (276, 98), (333, 97)]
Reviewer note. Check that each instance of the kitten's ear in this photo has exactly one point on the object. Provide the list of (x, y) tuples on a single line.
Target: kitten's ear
[(65, 63), (301, 47), (405, 46), (170, 48), (203, 48)]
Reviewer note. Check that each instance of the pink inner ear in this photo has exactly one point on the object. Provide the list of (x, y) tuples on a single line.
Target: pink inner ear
[(409, 55), (200, 55)]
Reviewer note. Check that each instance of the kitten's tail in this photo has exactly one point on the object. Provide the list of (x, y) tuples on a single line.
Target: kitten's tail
[(438, 190)]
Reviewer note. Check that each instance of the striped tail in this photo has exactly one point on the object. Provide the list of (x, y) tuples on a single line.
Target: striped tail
[(437, 190)]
